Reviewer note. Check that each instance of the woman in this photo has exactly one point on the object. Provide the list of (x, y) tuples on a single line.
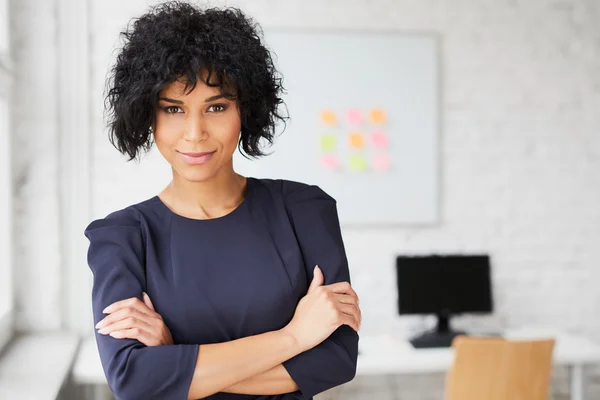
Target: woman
[(210, 289)]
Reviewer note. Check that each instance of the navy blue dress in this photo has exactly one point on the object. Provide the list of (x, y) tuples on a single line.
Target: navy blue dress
[(218, 280)]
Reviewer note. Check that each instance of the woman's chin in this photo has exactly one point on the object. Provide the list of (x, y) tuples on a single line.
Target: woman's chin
[(198, 176), (195, 173)]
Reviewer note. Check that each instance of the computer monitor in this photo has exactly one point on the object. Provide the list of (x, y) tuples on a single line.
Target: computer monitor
[(443, 285)]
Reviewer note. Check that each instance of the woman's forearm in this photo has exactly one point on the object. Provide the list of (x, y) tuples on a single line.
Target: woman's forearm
[(274, 381), (222, 365)]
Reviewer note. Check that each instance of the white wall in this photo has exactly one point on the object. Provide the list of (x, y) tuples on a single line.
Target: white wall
[(35, 165), (520, 155)]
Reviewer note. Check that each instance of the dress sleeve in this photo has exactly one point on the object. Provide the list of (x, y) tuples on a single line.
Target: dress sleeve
[(133, 371), (315, 219)]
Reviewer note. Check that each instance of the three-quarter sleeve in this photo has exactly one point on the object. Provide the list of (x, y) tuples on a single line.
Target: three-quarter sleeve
[(314, 216), (133, 370)]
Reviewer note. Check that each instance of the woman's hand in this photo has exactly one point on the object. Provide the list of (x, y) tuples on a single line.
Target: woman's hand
[(322, 311), (133, 319)]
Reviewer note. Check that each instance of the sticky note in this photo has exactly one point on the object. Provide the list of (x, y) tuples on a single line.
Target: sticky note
[(329, 161), (328, 117), (377, 116), (327, 142), (354, 117), (358, 162), (381, 162), (379, 139), (356, 140)]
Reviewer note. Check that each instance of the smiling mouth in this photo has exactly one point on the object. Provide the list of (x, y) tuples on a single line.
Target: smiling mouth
[(196, 158)]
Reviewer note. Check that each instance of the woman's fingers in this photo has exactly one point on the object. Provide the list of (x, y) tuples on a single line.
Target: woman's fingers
[(345, 299), (127, 323), (350, 320), (342, 288), (132, 302), (122, 314), (117, 316), (124, 308), (352, 310), (133, 333)]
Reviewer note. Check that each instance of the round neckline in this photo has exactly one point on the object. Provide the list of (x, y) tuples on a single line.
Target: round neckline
[(229, 214)]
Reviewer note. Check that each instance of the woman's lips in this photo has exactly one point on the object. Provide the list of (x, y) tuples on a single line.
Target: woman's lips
[(196, 158)]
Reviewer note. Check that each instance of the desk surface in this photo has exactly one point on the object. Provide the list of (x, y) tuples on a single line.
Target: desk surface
[(391, 355), (395, 355)]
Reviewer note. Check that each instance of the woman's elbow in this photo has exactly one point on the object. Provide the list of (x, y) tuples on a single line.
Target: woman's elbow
[(127, 382), (350, 363), (348, 372)]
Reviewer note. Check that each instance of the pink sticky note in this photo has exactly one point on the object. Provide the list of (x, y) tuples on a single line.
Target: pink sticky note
[(379, 139), (381, 162), (329, 161), (354, 117)]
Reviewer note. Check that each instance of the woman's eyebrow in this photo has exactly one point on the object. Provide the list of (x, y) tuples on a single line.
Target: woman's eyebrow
[(171, 100), (215, 97), (211, 98)]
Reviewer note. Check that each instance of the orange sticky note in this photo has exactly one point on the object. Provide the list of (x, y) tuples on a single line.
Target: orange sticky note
[(379, 139), (356, 140), (377, 116), (329, 161), (328, 117), (381, 162), (354, 117)]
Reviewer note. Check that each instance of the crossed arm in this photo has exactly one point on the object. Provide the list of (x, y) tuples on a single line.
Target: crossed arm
[(245, 366), (135, 319)]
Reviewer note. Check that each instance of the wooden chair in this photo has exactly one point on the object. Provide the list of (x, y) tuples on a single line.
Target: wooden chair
[(498, 369)]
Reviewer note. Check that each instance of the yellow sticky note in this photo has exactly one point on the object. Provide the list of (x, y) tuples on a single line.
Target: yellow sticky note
[(328, 117), (327, 142), (357, 162), (377, 116), (356, 140)]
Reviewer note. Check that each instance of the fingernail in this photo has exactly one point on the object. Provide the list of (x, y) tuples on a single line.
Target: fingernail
[(105, 311), (102, 331), (98, 325)]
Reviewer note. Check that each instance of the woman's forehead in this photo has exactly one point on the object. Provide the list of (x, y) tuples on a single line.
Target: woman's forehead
[(182, 87)]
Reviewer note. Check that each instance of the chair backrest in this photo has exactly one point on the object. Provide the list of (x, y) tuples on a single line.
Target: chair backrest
[(498, 369)]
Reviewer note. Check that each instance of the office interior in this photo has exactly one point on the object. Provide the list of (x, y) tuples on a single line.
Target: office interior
[(509, 254)]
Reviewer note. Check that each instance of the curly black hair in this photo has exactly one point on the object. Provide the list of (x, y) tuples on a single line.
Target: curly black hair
[(176, 40)]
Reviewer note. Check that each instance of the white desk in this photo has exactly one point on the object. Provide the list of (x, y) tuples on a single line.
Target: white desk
[(390, 355)]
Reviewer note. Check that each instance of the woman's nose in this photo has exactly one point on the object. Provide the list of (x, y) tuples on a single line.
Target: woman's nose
[(195, 130)]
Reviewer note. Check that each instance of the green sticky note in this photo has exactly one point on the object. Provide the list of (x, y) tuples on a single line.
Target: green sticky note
[(327, 142), (358, 162)]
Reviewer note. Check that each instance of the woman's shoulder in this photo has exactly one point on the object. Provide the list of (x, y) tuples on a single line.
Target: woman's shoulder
[(120, 219), (294, 191), (136, 215)]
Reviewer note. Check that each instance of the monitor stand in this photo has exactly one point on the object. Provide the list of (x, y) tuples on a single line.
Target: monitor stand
[(442, 336)]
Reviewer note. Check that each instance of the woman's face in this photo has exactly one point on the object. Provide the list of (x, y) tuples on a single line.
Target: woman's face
[(196, 133)]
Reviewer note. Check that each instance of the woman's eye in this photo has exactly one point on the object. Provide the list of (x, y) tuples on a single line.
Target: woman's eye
[(217, 108), (171, 109)]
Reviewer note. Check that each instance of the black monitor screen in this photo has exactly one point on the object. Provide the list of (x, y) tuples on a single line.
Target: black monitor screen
[(446, 284)]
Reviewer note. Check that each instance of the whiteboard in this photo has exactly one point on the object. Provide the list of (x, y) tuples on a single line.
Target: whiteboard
[(364, 122)]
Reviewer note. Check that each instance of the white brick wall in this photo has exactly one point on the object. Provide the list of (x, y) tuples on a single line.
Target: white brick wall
[(520, 157)]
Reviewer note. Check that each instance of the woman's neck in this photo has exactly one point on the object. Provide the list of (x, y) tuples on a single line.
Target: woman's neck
[(211, 198)]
